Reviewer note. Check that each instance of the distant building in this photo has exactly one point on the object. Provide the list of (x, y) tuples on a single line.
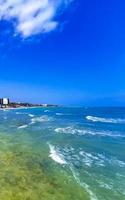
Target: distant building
[(4, 102)]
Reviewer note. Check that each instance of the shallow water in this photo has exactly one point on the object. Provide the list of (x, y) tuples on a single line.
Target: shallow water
[(62, 153)]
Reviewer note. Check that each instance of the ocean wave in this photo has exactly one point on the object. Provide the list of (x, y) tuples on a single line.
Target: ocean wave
[(105, 185), (59, 114), (43, 118), (90, 158), (46, 111), (24, 113), (117, 162), (82, 184), (73, 131), (19, 113), (105, 120), (100, 160), (75, 158), (79, 157), (22, 126), (120, 175), (82, 132), (5, 110), (56, 156), (30, 115), (69, 130)]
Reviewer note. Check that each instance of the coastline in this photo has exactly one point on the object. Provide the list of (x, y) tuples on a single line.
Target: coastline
[(20, 108), (26, 106)]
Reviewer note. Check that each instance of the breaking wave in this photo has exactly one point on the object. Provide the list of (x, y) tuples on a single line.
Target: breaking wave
[(70, 130), (82, 132), (56, 156), (82, 158), (23, 113), (59, 114), (43, 118), (79, 157), (22, 126), (46, 111), (105, 120), (19, 113), (60, 158), (30, 115)]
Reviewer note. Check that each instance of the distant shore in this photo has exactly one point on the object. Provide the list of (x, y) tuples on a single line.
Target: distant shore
[(21, 107), (15, 105)]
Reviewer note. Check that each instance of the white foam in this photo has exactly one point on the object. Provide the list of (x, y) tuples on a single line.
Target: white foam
[(19, 113), (46, 111), (70, 130), (84, 185), (89, 159), (120, 175), (81, 157), (88, 155), (105, 120), (59, 114), (5, 110), (23, 126), (43, 118), (30, 115), (81, 132), (105, 185), (115, 161), (24, 113), (56, 156)]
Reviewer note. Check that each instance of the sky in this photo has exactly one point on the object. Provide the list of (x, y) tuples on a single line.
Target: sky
[(67, 52)]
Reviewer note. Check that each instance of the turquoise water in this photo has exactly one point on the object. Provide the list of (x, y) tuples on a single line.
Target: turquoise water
[(62, 153)]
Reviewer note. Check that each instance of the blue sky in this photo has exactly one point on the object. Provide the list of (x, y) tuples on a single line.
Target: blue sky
[(73, 54)]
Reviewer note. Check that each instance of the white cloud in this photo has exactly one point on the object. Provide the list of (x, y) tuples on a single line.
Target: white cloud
[(32, 16)]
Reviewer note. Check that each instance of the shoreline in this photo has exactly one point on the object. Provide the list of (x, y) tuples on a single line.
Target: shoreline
[(27, 107), (18, 108)]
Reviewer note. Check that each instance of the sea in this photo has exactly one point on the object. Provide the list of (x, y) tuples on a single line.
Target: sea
[(62, 153)]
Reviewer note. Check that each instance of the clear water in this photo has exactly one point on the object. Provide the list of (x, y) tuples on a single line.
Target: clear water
[(62, 153)]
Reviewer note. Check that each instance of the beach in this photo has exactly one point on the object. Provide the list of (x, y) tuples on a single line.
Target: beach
[(62, 153)]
